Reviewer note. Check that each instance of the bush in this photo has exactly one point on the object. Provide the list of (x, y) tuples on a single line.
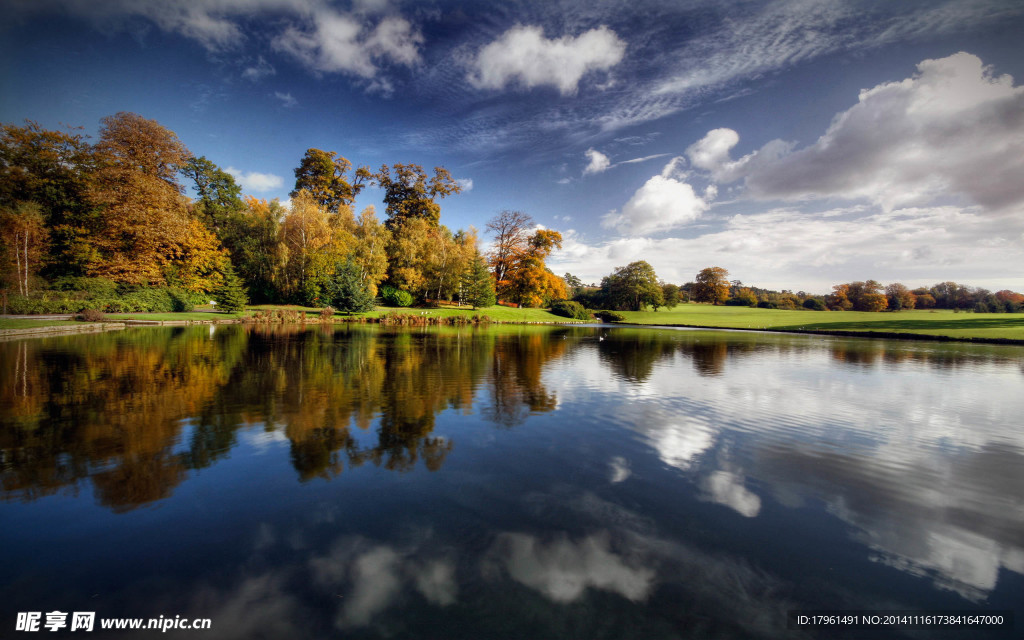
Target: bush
[(90, 287), (814, 304), (393, 297), (610, 316), (91, 315), (570, 309), (326, 314), (767, 304)]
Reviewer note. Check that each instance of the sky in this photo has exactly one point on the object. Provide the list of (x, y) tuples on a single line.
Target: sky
[(796, 143)]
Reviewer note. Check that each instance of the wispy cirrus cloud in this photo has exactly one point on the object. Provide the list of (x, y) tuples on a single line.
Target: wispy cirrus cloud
[(287, 99), (318, 35)]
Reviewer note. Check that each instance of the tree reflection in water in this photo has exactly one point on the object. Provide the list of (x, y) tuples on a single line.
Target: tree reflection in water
[(133, 412)]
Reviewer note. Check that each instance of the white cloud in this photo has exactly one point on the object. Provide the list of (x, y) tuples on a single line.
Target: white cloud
[(954, 128), (598, 162), (465, 183), (254, 181), (789, 248), (727, 488), (287, 100), (258, 71), (523, 54), (664, 202), (341, 43), (562, 570)]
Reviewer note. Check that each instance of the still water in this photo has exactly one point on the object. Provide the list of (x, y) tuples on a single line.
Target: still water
[(511, 482)]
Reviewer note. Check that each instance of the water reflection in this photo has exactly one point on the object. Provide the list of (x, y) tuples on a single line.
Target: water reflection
[(513, 481), (134, 412)]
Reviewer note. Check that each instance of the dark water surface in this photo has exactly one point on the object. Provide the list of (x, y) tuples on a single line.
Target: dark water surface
[(512, 482)]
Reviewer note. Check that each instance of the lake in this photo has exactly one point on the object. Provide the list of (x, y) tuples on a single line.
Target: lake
[(508, 482)]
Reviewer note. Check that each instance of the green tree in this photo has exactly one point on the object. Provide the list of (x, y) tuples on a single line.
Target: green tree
[(670, 292), (632, 287), (573, 284), (409, 193), (218, 196), (477, 284), (258, 255), (346, 289), (711, 285), (324, 174), (230, 296)]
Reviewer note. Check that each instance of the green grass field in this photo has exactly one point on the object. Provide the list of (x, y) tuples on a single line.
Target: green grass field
[(962, 326), (19, 323), (920, 322)]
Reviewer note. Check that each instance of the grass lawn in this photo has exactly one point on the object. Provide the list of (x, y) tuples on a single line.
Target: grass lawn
[(18, 323), (940, 322)]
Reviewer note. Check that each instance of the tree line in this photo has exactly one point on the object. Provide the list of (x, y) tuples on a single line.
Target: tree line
[(636, 287), (109, 224)]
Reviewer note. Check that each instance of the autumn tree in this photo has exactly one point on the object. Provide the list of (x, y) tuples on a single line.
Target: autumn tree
[(711, 285), (23, 235), (867, 296), (839, 299), (528, 281), (899, 297), (325, 175), (632, 287), (312, 247), (511, 230), (409, 253), (144, 212), (53, 169), (409, 193), (370, 250)]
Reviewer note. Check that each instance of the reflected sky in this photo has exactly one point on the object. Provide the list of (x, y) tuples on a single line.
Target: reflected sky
[(508, 482)]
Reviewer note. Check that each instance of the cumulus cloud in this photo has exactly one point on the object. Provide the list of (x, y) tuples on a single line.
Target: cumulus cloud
[(340, 43), (522, 54), (465, 183), (954, 128), (598, 162), (254, 181), (664, 202), (794, 248), (562, 570), (727, 488)]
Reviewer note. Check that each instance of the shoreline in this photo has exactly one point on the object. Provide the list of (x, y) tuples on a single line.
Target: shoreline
[(96, 327), (843, 333)]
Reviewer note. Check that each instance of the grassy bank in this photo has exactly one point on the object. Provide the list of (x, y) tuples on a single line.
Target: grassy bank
[(944, 323), (20, 323)]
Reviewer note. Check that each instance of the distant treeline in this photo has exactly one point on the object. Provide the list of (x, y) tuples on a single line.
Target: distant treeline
[(636, 287)]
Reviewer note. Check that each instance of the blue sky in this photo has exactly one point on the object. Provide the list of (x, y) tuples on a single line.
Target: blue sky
[(796, 143)]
